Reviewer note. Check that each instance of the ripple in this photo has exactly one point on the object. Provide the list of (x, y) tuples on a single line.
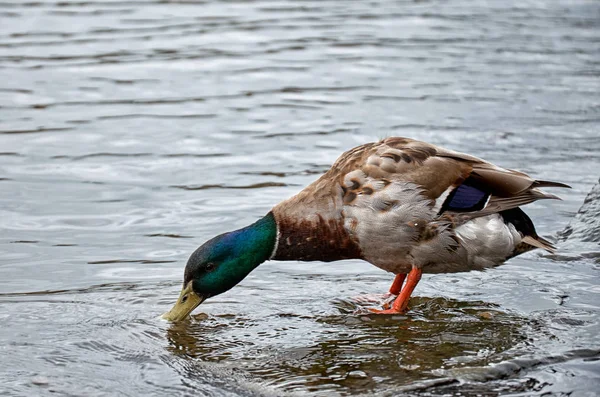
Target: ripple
[(218, 186), (169, 235), (36, 130), (115, 261), (157, 116), (472, 379), (348, 345)]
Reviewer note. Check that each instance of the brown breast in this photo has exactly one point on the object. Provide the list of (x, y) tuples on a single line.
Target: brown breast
[(314, 239)]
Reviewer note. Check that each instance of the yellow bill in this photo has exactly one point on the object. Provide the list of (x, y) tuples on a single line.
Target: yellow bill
[(187, 302)]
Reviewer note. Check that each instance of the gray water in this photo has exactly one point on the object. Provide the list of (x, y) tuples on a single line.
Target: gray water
[(132, 131)]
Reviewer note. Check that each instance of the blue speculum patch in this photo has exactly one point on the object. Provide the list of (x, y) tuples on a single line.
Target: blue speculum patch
[(466, 198)]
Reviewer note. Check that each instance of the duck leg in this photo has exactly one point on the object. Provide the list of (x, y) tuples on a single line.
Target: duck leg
[(395, 288), (387, 299), (401, 303), (397, 284)]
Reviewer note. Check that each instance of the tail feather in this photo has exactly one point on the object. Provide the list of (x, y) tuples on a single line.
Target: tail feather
[(549, 184), (540, 195), (539, 242)]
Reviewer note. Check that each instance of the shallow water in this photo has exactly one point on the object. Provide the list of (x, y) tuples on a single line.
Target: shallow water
[(132, 131)]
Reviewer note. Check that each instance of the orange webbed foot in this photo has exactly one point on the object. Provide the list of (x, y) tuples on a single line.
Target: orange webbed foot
[(385, 311)]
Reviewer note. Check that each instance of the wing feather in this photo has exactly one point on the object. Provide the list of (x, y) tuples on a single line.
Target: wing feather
[(389, 198)]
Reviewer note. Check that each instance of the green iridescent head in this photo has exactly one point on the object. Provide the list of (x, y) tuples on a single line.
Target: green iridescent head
[(222, 262)]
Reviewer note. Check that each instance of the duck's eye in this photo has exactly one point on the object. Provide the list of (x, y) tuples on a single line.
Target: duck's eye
[(210, 266), (184, 298)]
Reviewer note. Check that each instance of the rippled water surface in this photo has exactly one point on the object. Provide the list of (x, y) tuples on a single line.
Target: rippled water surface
[(132, 131)]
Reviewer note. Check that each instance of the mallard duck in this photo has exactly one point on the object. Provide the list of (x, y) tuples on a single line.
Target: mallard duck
[(405, 206)]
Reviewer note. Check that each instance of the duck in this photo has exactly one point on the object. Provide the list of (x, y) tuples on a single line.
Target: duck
[(405, 206)]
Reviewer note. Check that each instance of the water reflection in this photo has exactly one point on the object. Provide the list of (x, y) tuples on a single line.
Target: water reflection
[(353, 353)]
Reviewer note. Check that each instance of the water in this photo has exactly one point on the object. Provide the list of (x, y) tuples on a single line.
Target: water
[(132, 131)]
